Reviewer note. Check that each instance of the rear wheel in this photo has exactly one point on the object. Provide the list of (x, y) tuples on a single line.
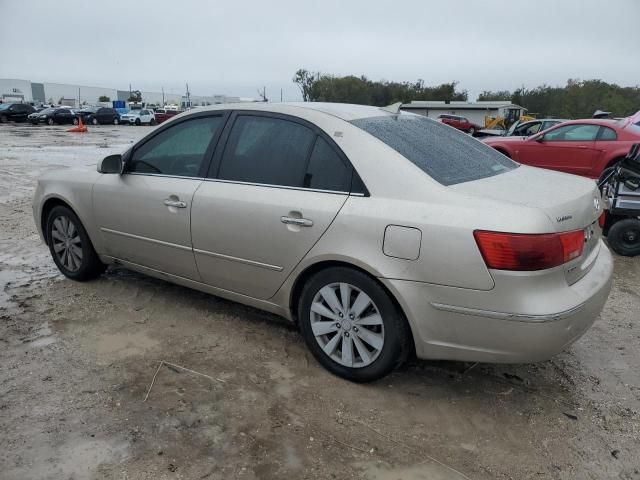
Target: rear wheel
[(352, 326), (472, 131), (138, 122), (624, 237), (3, 119), (94, 121), (75, 121), (70, 246), (116, 121), (50, 121), (152, 122)]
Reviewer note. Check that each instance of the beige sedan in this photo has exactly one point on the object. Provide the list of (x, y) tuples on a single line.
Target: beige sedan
[(381, 234)]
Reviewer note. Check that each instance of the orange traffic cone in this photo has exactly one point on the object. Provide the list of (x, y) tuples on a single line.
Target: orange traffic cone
[(80, 128)]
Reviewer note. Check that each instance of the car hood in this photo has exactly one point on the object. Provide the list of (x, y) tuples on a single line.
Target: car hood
[(570, 202), (130, 114)]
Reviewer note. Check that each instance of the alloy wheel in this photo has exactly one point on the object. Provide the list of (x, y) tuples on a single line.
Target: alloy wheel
[(347, 325), (67, 244)]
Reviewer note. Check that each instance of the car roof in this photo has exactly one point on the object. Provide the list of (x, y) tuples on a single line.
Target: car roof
[(604, 122), (344, 111)]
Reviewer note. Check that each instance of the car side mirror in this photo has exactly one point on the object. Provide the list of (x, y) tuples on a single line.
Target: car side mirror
[(539, 139), (111, 164)]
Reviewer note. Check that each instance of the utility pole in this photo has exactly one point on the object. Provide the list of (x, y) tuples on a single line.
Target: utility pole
[(280, 95), (162, 96), (188, 105), (79, 102)]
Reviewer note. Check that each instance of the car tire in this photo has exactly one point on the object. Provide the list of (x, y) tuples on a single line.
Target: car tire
[(3, 119), (624, 237), (116, 121), (138, 122), (50, 121), (362, 340), (75, 121), (94, 120), (71, 247), (152, 122), (471, 131)]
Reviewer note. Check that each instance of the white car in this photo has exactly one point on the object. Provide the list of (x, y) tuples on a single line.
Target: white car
[(139, 117)]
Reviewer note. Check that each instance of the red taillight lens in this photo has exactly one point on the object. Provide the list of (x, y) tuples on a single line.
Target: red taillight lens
[(602, 218), (528, 252)]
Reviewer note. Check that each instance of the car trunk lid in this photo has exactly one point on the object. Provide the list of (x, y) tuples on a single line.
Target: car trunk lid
[(570, 202)]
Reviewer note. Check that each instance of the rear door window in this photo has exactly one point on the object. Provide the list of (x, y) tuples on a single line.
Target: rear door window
[(445, 154), (266, 150), (607, 133), (326, 170)]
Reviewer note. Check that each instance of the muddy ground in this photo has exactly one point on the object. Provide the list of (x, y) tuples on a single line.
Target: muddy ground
[(77, 360)]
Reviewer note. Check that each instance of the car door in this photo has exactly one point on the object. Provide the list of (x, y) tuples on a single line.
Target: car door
[(567, 148), (144, 215), (63, 115), (276, 185)]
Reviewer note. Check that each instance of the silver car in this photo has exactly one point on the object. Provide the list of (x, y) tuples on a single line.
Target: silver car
[(381, 234)]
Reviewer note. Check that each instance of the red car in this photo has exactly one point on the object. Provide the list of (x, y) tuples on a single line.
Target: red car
[(581, 147), (163, 115), (461, 123)]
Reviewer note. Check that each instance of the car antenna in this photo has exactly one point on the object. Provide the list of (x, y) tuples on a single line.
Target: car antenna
[(395, 108)]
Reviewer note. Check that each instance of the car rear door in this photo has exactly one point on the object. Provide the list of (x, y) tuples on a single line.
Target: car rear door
[(144, 215), (567, 148), (276, 185)]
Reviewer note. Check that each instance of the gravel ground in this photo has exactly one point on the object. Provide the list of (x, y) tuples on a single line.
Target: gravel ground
[(77, 360)]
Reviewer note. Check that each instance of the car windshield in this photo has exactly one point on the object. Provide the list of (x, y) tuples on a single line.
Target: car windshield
[(4, 106), (47, 110), (445, 154)]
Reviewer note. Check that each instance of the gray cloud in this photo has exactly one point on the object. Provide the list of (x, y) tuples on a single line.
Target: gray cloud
[(237, 46)]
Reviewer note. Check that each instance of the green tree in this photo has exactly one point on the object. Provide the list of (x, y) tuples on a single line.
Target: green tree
[(104, 98), (318, 87), (499, 95), (135, 96)]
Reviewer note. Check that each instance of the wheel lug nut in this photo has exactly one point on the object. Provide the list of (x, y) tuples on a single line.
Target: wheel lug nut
[(338, 325), (355, 329), (346, 334), (351, 316), (340, 315)]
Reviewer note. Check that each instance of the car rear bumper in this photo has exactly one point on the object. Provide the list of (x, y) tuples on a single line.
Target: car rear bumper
[(525, 318)]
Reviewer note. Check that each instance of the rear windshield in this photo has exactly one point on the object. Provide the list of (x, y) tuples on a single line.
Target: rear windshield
[(444, 153)]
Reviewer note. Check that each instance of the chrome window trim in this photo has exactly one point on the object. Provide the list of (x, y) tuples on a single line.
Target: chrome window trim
[(286, 187), (163, 175), (219, 180)]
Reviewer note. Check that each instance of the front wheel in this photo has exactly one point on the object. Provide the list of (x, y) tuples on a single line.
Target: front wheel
[(74, 121), (3, 119), (116, 121), (352, 326), (624, 237), (152, 122), (50, 121), (472, 131), (70, 246), (138, 122), (94, 121)]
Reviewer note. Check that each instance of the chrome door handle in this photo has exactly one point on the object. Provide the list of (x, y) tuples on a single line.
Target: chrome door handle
[(175, 203), (301, 222)]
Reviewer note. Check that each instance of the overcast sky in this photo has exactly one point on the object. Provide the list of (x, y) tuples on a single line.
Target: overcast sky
[(236, 46)]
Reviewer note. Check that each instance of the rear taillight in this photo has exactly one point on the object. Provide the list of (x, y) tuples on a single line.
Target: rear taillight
[(602, 218), (527, 252)]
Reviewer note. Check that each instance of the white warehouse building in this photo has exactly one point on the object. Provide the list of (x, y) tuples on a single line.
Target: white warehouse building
[(17, 90)]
